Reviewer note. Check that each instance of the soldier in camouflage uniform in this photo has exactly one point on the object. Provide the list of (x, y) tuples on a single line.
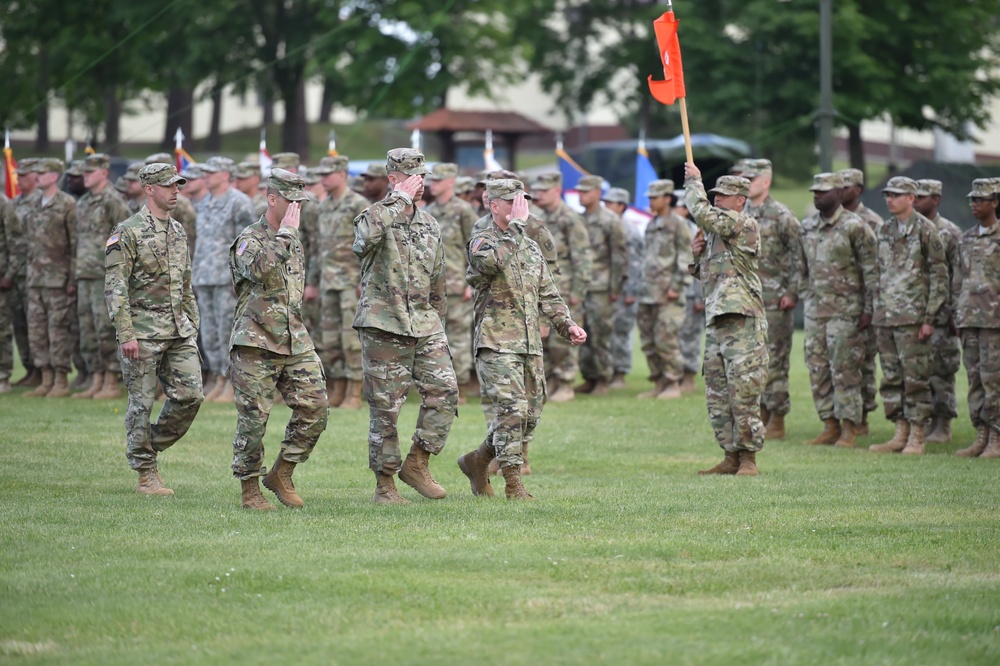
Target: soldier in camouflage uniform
[(693, 329), (97, 213), (270, 348), (575, 267), (27, 180), (222, 215), (147, 287), (726, 252), (779, 241), (610, 265), (456, 219), (946, 348), (854, 184), (196, 189), (337, 275), (975, 297), (911, 289), (838, 280), (11, 257), (627, 307), (665, 276), (135, 196), (50, 242), (465, 189), (248, 182), (401, 315), (376, 182), (513, 287)]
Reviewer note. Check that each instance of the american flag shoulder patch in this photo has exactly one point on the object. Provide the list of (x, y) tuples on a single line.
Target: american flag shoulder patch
[(476, 243), (112, 240), (241, 248)]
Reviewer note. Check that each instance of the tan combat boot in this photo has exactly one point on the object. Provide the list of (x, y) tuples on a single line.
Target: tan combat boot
[(657, 389), (915, 444), (601, 387), (830, 434), (992, 445), (31, 379), (586, 387), (81, 382), (226, 394), (352, 395), (150, 483), (279, 481), (848, 435), (618, 381), (748, 463), (252, 498), (416, 474), (515, 489), (494, 467), (475, 465), (978, 446), (671, 391), (96, 382), (775, 427), (898, 441), (60, 387), (564, 393), (385, 490), (939, 432), (48, 379), (729, 465), (765, 415), (112, 388), (687, 383), (335, 391), (213, 386)]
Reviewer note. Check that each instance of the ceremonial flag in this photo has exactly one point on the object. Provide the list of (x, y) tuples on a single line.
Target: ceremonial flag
[(10, 168), (182, 158), (89, 150), (331, 146), (68, 149), (644, 175), (489, 161), (570, 170), (265, 157), (671, 88)]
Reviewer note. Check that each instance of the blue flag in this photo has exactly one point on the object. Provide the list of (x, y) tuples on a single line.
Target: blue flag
[(644, 175), (570, 170)]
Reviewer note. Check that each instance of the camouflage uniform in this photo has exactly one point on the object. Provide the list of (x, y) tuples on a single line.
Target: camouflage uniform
[(610, 263), (946, 347), (187, 216), (838, 277), (401, 316), (456, 219), (220, 220), (514, 286), (23, 205), (50, 241), (911, 289), (625, 315), (779, 241), (736, 335), (337, 272), (975, 297), (693, 328), (147, 288), (97, 213), (270, 348), (575, 267), (11, 258)]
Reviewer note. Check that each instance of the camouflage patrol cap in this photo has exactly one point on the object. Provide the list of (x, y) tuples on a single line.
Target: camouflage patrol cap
[(444, 171), (310, 176), (121, 184), (900, 185), (96, 161), (160, 173), (218, 163), (506, 189), (464, 185), (406, 160), (357, 184), (132, 173), (289, 185), (331, 164), (852, 177), (983, 188), (928, 187), (499, 174), (547, 180), (375, 170), (287, 161), (660, 188), (738, 166), (27, 165), (75, 168), (617, 195), (50, 165), (757, 167), (192, 172), (590, 183), (247, 169), (159, 158), (731, 185), (824, 182)]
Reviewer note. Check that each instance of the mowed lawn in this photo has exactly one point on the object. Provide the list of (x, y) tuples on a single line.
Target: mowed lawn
[(829, 557)]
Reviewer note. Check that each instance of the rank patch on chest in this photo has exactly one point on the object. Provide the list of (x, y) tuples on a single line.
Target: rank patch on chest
[(241, 248), (112, 240)]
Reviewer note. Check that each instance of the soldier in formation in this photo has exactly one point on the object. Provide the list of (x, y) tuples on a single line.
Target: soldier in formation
[(693, 328), (11, 257), (627, 306), (23, 203)]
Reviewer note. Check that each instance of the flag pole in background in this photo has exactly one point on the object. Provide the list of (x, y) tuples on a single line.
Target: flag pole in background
[(265, 157), (644, 173), (671, 88), (489, 162), (415, 139), (570, 170), (11, 188), (89, 150), (181, 157), (331, 144)]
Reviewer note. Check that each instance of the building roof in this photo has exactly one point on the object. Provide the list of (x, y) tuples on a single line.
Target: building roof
[(501, 122)]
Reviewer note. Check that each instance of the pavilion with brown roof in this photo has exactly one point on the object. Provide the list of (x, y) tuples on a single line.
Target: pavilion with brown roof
[(509, 126)]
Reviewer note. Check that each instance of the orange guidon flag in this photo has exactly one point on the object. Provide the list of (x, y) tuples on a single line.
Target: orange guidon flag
[(11, 188), (671, 88)]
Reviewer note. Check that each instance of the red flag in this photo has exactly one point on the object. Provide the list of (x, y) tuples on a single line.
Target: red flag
[(671, 88), (10, 171)]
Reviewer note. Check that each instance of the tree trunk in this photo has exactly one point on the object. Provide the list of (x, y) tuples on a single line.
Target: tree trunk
[(42, 115), (326, 104), (266, 92), (295, 130), (855, 146), (214, 141), (112, 118), (180, 113)]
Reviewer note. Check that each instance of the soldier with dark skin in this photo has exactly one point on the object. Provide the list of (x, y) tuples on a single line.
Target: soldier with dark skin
[(376, 182)]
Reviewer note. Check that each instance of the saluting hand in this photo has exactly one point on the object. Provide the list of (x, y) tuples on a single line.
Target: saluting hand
[(413, 186), (520, 208), (577, 336), (291, 218)]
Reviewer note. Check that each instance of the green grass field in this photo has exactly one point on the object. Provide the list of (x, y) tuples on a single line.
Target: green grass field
[(830, 556)]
